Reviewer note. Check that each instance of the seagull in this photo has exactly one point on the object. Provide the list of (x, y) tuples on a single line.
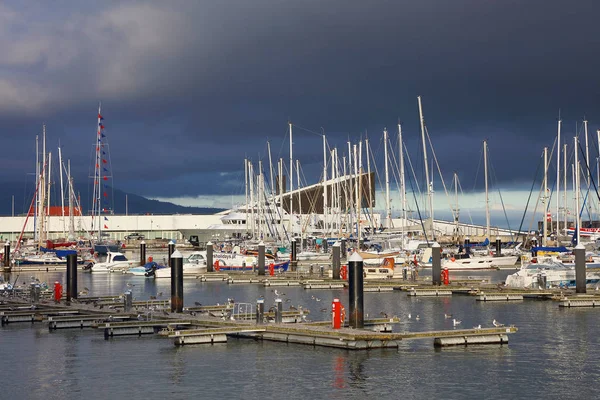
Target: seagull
[(129, 284), (456, 322), (383, 314), (477, 327), (159, 294), (497, 324), (152, 297), (409, 316), (86, 289), (447, 316), (197, 304), (417, 318), (317, 299)]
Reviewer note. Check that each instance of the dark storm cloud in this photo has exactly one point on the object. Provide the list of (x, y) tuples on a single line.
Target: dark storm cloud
[(190, 89)]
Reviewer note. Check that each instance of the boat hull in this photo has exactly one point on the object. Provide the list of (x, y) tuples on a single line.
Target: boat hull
[(280, 266)]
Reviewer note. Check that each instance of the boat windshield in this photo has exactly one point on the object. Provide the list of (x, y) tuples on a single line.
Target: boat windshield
[(195, 258), (546, 266), (119, 258)]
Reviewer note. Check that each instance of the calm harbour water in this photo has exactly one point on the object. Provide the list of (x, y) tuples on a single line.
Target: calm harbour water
[(553, 356)]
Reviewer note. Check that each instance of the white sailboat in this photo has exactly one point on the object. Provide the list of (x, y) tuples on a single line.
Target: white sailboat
[(470, 261)]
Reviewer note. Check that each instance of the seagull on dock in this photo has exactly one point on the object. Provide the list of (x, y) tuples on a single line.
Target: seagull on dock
[(383, 314), (197, 304), (456, 322), (447, 316), (292, 307), (477, 327), (497, 324)]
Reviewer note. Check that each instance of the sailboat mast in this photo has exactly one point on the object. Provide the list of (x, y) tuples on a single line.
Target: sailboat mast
[(280, 166), (291, 175), (456, 211), (246, 190), (576, 184), (334, 190), (359, 190), (42, 187), (545, 198), (372, 222), (487, 198), (299, 196), (388, 207), (588, 168), (71, 195), (345, 191), (251, 184), (587, 152), (402, 178), (565, 205), (62, 191), (558, 178), (429, 184), (37, 195), (259, 200), (49, 187), (325, 219), (98, 177), (356, 201)]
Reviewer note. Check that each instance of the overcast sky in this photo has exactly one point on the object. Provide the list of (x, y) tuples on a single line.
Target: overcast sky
[(190, 88)]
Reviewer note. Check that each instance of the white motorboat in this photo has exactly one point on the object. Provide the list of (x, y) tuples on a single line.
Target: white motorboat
[(379, 272), (115, 262), (468, 262), (549, 274), (193, 265)]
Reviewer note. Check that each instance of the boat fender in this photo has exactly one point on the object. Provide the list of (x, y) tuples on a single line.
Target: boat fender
[(217, 266), (453, 259)]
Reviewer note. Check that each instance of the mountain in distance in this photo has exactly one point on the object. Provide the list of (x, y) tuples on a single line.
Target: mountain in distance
[(23, 193)]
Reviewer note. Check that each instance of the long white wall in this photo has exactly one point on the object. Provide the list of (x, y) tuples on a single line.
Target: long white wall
[(152, 226)]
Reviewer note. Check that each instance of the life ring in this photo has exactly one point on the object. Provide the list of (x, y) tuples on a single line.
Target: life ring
[(217, 266)]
